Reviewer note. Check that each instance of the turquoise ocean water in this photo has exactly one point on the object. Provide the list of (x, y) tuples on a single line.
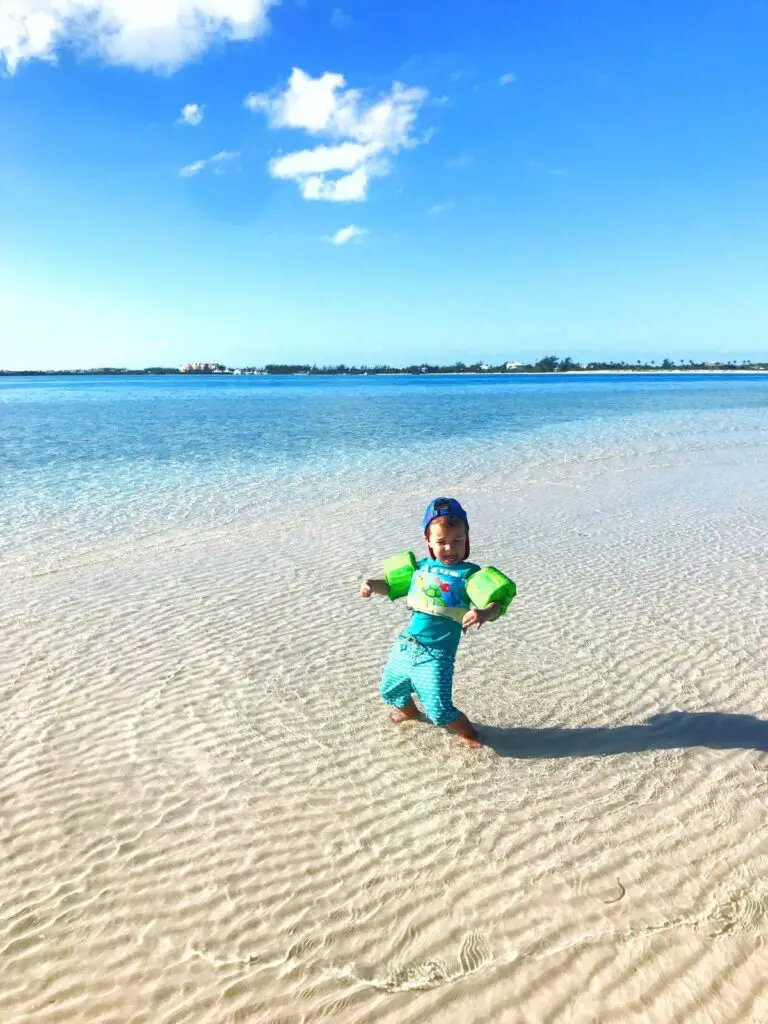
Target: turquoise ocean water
[(91, 457)]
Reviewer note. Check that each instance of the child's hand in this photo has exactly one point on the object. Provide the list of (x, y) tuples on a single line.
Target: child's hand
[(472, 618), (368, 587), (477, 616)]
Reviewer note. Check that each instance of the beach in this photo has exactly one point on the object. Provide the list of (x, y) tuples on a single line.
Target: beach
[(207, 816)]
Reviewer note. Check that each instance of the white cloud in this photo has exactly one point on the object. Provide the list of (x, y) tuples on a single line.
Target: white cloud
[(320, 160), (192, 169), (192, 114), (158, 35), (351, 188), (219, 162), (368, 134), (440, 208), (508, 79), (347, 234)]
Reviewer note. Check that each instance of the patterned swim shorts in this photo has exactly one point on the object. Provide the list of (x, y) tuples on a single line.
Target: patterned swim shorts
[(413, 667)]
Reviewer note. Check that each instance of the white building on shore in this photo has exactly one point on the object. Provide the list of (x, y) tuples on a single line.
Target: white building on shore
[(198, 367), (218, 368)]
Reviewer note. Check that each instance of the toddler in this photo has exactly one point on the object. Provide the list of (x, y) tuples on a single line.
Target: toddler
[(423, 656)]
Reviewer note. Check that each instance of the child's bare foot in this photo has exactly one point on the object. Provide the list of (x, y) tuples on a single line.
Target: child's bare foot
[(463, 728), (469, 741), (406, 714)]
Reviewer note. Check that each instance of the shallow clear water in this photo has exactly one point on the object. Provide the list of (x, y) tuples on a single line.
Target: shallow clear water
[(85, 458)]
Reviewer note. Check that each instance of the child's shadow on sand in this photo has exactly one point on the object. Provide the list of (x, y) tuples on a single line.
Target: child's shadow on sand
[(674, 729)]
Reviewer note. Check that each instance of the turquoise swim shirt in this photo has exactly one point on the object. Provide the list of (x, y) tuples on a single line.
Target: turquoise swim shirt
[(439, 631)]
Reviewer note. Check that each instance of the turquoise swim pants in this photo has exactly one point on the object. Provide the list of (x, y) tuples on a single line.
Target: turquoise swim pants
[(415, 668)]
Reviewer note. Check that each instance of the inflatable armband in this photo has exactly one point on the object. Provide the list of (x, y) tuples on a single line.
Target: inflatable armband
[(489, 585), (398, 572)]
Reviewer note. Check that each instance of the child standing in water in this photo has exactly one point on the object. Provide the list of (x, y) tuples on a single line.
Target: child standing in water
[(423, 656)]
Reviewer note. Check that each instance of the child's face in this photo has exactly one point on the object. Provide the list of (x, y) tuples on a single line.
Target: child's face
[(449, 543)]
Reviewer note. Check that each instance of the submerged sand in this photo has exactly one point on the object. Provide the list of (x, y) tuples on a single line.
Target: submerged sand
[(207, 817)]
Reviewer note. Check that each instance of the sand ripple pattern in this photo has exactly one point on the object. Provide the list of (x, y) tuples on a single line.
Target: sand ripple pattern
[(206, 818)]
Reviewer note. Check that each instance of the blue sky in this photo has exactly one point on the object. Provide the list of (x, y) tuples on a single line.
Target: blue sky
[(434, 181)]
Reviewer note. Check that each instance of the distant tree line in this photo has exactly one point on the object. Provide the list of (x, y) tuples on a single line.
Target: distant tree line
[(547, 364)]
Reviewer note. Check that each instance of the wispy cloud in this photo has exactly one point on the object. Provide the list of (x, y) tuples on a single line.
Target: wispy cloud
[(224, 160), (192, 114), (367, 135), (461, 161), (157, 36), (508, 79), (440, 208), (190, 170), (341, 20), (219, 163), (348, 234)]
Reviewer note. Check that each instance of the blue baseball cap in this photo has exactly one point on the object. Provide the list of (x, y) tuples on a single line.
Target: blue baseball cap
[(444, 507)]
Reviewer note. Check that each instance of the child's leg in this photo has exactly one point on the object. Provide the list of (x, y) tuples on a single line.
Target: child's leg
[(396, 687), (433, 682)]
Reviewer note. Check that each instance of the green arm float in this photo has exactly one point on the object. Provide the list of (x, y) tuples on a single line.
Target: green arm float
[(489, 585), (398, 572)]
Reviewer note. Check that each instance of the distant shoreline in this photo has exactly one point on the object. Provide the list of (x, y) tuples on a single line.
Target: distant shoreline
[(645, 371)]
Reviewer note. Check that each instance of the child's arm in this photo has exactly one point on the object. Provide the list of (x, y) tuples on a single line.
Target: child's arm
[(368, 587), (477, 616)]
